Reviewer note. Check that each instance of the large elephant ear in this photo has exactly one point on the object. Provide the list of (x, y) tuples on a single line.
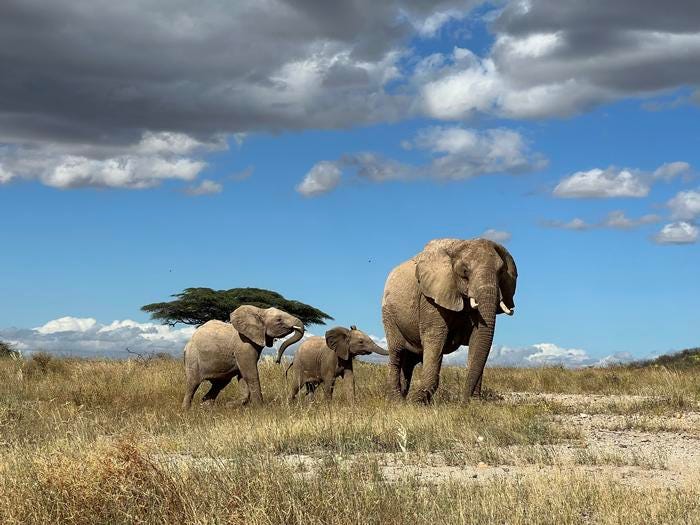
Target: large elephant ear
[(338, 340), (248, 321), (509, 275), (436, 276)]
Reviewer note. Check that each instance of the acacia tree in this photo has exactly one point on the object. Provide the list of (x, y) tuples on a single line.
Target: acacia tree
[(196, 306)]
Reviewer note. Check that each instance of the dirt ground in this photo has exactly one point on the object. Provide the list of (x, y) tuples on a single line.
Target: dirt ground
[(635, 449)]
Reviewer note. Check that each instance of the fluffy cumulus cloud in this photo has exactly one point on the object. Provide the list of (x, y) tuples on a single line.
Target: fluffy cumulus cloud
[(153, 159), (454, 153), (615, 182), (685, 205), (554, 58), (497, 235), (680, 232), (540, 354), (88, 338)]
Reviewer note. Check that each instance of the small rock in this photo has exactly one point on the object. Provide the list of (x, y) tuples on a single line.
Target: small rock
[(482, 465), (474, 475), (480, 439), (583, 414)]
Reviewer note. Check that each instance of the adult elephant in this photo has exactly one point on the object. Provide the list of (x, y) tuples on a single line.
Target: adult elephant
[(220, 351), (446, 296)]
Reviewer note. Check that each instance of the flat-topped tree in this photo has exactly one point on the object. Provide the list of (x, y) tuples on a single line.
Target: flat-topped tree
[(196, 306)]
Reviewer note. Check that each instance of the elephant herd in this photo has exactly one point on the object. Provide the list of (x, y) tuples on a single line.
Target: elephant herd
[(445, 297)]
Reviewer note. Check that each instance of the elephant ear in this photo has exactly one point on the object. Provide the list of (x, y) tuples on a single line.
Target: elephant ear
[(436, 276), (248, 321), (338, 340), (509, 275)]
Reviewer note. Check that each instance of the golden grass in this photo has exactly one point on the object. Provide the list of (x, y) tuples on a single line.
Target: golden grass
[(104, 441)]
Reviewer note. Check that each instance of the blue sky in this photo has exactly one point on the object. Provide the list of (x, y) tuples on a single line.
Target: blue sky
[(497, 118)]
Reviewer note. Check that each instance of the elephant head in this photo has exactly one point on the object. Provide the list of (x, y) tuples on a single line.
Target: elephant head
[(479, 275), (263, 325), (349, 343)]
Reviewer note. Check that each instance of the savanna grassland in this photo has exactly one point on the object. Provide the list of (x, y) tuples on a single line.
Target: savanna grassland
[(85, 441)]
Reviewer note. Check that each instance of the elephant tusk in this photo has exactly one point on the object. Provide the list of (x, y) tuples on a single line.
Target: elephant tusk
[(473, 303), (506, 310), (298, 328)]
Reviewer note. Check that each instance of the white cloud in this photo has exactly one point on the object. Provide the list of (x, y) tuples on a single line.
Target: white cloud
[(497, 235), (67, 324), (157, 157), (685, 205), (89, 338), (554, 59), (540, 354), (454, 153), (671, 170), (618, 219), (680, 232), (323, 177), (205, 187), (599, 183), (573, 224)]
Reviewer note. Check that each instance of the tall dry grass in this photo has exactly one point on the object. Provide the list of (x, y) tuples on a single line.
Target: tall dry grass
[(106, 442)]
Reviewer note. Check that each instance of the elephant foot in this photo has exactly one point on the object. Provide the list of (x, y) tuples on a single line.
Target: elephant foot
[(423, 397)]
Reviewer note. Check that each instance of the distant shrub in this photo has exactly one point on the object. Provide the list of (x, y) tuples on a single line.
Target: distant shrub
[(689, 358), (7, 350), (42, 364)]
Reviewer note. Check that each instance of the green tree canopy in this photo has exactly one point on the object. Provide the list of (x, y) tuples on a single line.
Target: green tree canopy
[(196, 306)]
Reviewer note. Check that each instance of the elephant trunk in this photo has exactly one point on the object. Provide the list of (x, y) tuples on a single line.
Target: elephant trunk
[(298, 334), (379, 350), (482, 337)]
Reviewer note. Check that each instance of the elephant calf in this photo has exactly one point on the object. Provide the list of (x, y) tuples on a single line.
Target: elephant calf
[(322, 360)]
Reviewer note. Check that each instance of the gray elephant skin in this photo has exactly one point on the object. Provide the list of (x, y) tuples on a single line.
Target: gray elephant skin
[(220, 351), (446, 296), (321, 360)]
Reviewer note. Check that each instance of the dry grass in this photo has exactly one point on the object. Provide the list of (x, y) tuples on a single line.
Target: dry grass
[(98, 442)]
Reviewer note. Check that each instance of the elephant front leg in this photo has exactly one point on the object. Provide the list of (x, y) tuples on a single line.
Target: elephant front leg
[(248, 365), (349, 380)]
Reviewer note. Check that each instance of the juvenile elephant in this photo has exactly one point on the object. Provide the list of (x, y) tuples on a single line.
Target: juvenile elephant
[(320, 360), (220, 351), (446, 296)]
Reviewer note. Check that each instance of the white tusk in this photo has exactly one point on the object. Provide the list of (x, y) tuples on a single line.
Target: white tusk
[(299, 328), (505, 309), (473, 303)]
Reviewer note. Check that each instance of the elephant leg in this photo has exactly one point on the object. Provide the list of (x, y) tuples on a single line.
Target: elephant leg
[(349, 383), (328, 388), (294, 386), (217, 385), (248, 364), (192, 387), (245, 391), (395, 349), (409, 360)]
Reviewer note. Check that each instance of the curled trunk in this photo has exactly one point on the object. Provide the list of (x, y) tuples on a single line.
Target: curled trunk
[(298, 334), (481, 338)]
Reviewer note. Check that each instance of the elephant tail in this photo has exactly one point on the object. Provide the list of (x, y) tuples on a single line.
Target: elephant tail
[(286, 371)]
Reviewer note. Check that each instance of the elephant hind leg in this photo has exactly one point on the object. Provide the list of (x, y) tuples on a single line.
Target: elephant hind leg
[(409, 360), (217, 385), (396, 351), (192, 387)]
